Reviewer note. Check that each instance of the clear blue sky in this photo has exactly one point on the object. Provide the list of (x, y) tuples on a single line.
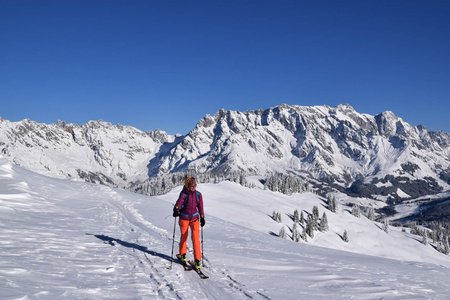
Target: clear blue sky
[(165, 64)]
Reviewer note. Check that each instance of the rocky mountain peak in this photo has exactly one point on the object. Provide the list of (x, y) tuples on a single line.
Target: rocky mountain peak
[(335, 145)]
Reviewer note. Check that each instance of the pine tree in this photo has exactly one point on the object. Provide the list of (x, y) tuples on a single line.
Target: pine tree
[(356, 211), (434, 236), (282, 233), (295, 233), (315, 213), (310, 226), (424, 238), (386, 226), (371, 214), (304, 235), (331, 201), (335, 205), (296, 216), (323, 226), (276, 216), (302, 218), (345, 236), (445, 247)]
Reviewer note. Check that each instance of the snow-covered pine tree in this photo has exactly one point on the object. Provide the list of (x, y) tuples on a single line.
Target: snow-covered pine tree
[(302, 218), (335, 204), (310, 226), (282, 234), (323, 226), (304, 235), (331, 201), (345, 236), (315, 223), (371, 214), (315, 213), (386, 226), (295, 233), (434, 236), (356, 211), (424, 238), (276, 216), (296, 216), (414, 229), (443, 246)]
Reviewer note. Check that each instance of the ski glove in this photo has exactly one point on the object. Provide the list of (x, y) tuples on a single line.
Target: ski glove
[(176, 212), (202, 222)]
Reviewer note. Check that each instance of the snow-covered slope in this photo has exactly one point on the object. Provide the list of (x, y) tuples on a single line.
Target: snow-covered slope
[(61, 239)]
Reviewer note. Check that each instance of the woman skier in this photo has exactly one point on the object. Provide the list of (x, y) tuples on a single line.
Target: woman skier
[(189, 207)]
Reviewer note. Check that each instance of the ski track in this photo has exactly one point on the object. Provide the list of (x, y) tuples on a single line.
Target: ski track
[(117, 245), (172, 283)]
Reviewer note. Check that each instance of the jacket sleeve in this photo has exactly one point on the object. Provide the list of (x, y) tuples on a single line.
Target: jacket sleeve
[(180, 201), (200, 205)]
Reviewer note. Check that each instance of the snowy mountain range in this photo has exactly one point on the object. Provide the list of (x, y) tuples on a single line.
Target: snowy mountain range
[(381, 157)]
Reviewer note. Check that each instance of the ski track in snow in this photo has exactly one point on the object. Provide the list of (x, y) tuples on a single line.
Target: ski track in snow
[(170, 286), (71, 240), (127, 241)]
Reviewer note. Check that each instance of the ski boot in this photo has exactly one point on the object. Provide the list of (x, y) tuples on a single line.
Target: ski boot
[(197, 264), (183, 259)]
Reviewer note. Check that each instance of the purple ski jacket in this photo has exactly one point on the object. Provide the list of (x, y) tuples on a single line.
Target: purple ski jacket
[(189, 208)]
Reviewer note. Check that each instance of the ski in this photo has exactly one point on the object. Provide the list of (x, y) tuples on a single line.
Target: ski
[(198, 271), (186, 266)]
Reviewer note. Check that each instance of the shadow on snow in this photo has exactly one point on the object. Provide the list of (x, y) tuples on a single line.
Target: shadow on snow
[(112, 241)]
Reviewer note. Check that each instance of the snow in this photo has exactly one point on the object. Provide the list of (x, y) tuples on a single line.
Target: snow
[(402, 194), (386, 184), (61, 239)]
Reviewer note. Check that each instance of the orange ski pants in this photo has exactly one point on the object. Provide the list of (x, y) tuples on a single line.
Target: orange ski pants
[(184, 228)]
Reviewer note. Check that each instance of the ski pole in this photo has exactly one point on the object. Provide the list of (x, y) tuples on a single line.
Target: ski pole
[(173, 240), (203, 252)]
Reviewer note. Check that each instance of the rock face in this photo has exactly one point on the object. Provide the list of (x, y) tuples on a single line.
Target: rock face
[(378, 156)]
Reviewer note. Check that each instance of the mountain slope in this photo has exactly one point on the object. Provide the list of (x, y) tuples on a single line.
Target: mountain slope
[(96, 151), (380, 156), (71, 240)]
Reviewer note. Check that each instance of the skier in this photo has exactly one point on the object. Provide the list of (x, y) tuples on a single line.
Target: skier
[(189, 207)]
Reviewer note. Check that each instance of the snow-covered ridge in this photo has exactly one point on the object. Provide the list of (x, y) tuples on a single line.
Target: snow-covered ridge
[(378, 156), (97, 151), (333, 144)]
